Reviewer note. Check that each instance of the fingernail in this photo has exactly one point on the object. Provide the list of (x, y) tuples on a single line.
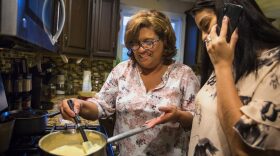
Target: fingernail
[(225, 18)]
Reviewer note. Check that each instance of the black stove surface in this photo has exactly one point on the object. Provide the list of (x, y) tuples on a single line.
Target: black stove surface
[(28, 145)]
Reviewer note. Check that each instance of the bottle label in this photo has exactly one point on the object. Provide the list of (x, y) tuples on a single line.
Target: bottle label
[(60, 92), (18, 86), (26, 85)]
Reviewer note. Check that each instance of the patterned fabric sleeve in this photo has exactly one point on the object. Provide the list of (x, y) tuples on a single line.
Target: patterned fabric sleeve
[(106, 97), (190, 88), (259, 127)]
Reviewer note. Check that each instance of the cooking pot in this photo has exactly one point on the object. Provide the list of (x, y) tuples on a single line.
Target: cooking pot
[(58, 139), (6, 129), (30, 122)]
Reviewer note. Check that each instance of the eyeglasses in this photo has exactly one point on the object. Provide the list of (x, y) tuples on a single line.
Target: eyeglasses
[(147, 44)]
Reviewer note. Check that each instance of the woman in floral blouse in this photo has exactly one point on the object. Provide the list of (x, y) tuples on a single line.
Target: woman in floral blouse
[(238, 108), (136, 89)]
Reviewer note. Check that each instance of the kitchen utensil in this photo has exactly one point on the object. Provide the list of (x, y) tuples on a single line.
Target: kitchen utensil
[(30, 122), (57, 139), (87, 145), (79, 60)]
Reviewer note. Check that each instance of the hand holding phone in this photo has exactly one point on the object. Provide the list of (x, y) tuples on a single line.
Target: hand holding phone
[(233, 11)]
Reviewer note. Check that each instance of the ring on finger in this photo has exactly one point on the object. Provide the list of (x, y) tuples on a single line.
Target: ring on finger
[(207, 40)]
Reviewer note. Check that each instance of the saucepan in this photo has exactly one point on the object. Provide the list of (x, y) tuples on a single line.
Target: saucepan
[(70, 142), (30, 122)]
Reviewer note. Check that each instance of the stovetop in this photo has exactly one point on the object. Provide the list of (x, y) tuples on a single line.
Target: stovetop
[(28, 145)]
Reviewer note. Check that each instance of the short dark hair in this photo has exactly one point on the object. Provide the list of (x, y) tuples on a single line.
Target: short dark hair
[(160, 23)]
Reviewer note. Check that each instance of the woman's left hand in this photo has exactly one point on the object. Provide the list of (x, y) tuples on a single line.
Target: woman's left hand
[(171, 114), (220, 51)]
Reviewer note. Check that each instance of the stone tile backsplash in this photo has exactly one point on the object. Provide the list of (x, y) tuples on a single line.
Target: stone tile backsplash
[(72, 70)]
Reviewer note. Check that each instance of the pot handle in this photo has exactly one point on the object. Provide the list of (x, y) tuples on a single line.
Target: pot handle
[(127, 134), (50, 115)]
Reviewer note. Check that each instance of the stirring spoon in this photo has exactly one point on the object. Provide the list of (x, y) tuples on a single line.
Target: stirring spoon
[(87, 145)]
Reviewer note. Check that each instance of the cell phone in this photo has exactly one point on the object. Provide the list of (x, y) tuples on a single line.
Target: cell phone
[(233, 11)]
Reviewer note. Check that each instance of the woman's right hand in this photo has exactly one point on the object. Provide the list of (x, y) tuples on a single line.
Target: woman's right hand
[(220, 51), (66, 111)]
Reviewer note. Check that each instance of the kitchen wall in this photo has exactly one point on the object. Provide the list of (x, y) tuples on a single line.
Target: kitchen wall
[(72, 71), (175, 6), (271, 9), (99, 67)]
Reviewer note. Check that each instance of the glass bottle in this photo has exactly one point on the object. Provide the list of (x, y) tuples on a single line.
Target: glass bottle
[(60, 87), (26, 91)]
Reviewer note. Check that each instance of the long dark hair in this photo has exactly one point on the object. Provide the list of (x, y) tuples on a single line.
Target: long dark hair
[(255, 33)]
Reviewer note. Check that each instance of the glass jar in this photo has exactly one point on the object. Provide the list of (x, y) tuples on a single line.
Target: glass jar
[(60, 87), (52, 90)]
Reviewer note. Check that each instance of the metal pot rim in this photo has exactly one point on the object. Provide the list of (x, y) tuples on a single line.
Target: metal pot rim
[(73, 132), (34, 114)]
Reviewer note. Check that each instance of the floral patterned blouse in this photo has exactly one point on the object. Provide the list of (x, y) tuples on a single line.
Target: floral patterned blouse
[(124, 93), (258, 127)]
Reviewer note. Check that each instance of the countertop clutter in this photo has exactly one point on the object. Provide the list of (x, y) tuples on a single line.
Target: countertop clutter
[(59, 121)]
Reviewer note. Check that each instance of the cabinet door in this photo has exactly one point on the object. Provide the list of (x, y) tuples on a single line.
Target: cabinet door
[(105, 28), (77, 28)]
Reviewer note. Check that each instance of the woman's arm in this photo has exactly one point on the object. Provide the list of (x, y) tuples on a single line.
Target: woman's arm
[(85, 109), (229, 114), (172, 114), (102, 105), (228, 103), (89, 110), (229, 108)]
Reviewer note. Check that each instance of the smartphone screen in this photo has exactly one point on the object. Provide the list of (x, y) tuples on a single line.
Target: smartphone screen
[(233, 11)]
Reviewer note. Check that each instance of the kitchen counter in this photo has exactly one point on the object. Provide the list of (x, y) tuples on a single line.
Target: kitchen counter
[(58, 120)]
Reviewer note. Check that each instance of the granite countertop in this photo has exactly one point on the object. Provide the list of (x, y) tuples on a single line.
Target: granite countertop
[(58, 120)]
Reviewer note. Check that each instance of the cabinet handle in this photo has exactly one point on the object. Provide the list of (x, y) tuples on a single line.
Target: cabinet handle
[(65, 39), (113, 45)]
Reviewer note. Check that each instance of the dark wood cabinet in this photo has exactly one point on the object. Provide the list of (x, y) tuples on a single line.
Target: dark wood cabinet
[(91, 28), (77, 27), (106, 28)]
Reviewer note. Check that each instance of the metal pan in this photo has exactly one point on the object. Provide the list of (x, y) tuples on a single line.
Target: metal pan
[(58, 139), (30, 122)]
